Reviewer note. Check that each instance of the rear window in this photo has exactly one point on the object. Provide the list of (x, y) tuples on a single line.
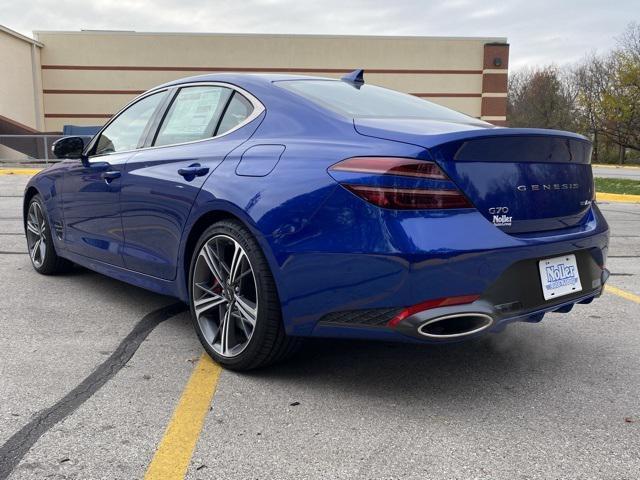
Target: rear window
[(237, 112), (370, 101)]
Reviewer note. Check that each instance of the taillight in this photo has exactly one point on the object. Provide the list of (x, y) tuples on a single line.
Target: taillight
[(399, 197), (410, 198)]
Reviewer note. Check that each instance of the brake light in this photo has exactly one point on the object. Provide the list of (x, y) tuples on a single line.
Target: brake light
[(399, 197), (429, 304), (410, 199)]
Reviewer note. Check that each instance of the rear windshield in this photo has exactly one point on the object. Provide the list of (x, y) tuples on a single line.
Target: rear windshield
[(370, 101)]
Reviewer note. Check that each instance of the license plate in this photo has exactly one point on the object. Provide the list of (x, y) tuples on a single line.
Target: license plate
[(559, 276)]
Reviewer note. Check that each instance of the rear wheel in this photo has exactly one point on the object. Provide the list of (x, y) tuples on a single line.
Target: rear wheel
[(234, 303), (42, 252)]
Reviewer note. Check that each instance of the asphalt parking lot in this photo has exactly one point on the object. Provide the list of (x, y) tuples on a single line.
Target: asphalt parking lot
[(614, 171), (95, 384)]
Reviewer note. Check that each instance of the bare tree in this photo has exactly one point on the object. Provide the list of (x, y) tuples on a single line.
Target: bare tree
[(541, 98), (629, 41), (591, 79)]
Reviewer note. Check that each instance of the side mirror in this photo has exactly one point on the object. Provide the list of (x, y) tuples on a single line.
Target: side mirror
[(68, 147)]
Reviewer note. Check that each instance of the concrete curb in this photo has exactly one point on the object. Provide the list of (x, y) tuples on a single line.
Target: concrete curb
[(19, 171), (617, 197)]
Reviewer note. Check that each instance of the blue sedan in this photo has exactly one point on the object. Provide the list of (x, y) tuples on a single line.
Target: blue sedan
[(281, 207)]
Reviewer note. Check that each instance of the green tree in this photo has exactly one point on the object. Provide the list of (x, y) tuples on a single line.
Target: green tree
[(621, 103)]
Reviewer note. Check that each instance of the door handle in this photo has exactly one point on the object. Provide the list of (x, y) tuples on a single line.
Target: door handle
[(192, 171), (111, 175)]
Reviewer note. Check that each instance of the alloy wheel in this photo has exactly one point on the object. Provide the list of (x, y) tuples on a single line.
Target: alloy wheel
[(36, 238), (225, 295)]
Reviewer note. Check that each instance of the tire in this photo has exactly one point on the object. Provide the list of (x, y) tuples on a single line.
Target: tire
[(42, 252), (236, 315)]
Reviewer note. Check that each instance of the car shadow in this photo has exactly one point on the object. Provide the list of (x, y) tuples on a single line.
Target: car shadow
[(523, 358)]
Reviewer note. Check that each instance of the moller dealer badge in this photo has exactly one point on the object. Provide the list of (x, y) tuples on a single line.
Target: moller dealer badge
[(500, 217)]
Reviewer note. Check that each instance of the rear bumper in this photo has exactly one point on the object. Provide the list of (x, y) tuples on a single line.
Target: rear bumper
[(350, 280), (506, 301), (510, 300), (408, 332)]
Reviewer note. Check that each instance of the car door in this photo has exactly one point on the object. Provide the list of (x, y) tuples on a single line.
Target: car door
[(202, 124), (91, 187)]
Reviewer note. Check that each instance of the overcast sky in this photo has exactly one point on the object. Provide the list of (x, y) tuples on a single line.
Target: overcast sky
[(539, 31)]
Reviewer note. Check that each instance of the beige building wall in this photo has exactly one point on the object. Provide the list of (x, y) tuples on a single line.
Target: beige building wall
[(88, 76), (21, 109), (20, 81)]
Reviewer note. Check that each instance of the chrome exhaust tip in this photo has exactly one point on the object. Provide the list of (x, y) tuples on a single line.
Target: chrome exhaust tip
[(455, 325)]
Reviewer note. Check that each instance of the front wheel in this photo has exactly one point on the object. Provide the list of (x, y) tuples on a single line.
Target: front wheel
[(44, 258), (234, 302)]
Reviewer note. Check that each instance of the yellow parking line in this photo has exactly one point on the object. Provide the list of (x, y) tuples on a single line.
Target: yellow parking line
[(176, 447), (19, 171), (623, 293), (617, 197)]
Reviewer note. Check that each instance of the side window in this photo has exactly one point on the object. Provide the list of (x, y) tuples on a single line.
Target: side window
[(238, 110), (193, 115), (125, 132)]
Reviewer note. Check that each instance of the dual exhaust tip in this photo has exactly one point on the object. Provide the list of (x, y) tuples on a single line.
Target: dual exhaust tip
[(455, 325)]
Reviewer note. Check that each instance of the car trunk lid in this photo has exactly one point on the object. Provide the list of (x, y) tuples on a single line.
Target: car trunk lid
[(521, 180)]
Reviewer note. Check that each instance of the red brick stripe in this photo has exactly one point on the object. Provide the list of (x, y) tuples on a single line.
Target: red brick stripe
[(254, 69), (97, 92), (493, 51), (137, 92), (446, 95), (494, 83), (78, 115), (494, 106)]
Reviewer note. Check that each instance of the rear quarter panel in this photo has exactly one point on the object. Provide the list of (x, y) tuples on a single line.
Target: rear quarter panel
[(280, 208)]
